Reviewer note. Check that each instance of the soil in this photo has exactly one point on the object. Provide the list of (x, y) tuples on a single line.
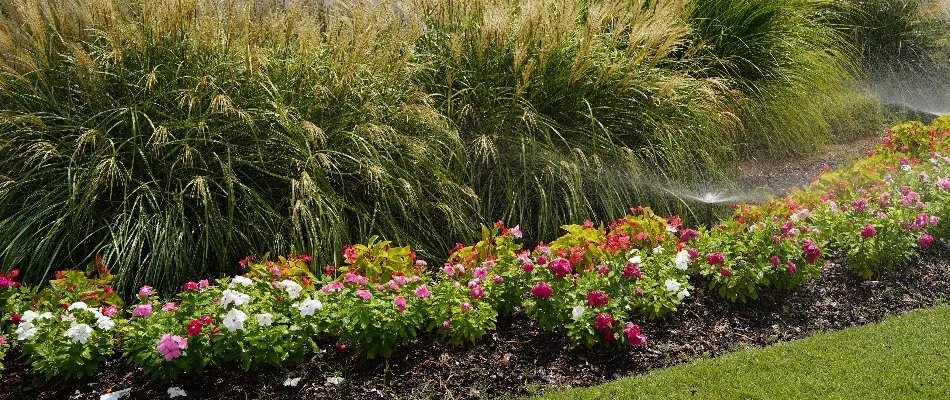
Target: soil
[(522, 359)]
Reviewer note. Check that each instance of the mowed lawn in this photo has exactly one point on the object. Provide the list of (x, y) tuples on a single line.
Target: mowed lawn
[(903, 357)]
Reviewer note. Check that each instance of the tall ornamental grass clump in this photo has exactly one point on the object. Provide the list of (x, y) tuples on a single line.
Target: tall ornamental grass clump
[(174, 136)]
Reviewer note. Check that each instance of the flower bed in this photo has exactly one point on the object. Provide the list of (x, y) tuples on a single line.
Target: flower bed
[(593, 284)]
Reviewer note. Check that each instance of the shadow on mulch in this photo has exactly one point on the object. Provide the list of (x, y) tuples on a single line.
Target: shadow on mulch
[(522, 359)]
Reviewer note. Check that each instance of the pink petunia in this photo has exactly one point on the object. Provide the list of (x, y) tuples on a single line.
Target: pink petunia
[(142, 310), (400, 303), (170, 346), (542, 290), (423, 292)]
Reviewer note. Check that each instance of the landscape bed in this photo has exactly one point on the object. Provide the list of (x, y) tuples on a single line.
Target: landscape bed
[(498, 319)]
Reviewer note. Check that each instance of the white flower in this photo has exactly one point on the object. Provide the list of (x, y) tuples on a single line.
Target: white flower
[(671, 228), (309, 306), (800, 215), (682, 294), (105, 323), (79, 333), (905, 168), (635, 260), (234, 320), (241, 280), (80, 305), (682, 260), (336, 380), (265, 319), (25, 331), (293, 288), (577, 312), (657, 249), (176, 391), (233, 297), (116, 395), (672, 285), (31, 315), (291, 381)]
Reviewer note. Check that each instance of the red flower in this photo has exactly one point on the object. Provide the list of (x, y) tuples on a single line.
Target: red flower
[(688, 234), (15, 318), (205, 320), (925, 241), (190, 286), (194, 327), (542, 290), (597, 298), (604, 323), (246, 260), (305, 258)]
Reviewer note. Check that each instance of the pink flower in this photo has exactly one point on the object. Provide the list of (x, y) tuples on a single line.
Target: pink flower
[(422, 292), (859, 204), (812, 252), (400, 303), (560, 267), (943, 183), (774, 261), (925, 241), (446, 325), (480, 272), (516, 231), (5, 282), (110, 311), (364, 294), (275, 271), (603, 270), (190, 286), (497, 279), (355, 278), (542, 290), (693, 253), (2, 340), (630, 270), (639, 291), (715, 258), (202, 284), (527, 267), (725, 272), (332, 287), (688, 234), (170, 346), (790, 266), (477, 292), (634, 338), (169, 307), (466, 306), (597, 298), (142, 310), (449, 270), (421, 263), (146, 291), (604, 324), (868, 231)]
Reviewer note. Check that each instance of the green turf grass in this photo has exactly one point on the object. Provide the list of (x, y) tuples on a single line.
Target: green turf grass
[(905, 357)]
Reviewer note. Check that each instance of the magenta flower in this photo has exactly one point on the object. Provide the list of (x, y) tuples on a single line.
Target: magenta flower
[(202, 284), (516, 231), (715, 258), (774, 261), (423, 292), (5, 282), (497, 279), (597, 298), (688, 234), (812, 252), (634, 337), (725, 272), (693, 253), (790, 266), (542, 290), (943, 183), (631, 269), (190, 286), (527, 267), (868, 231), (925, 241), (859, 204), (142, 310), (400, 303), (480, 272), (466, 306), (603, 270), (364, 294), (449, 270), (146, 291), (560, 267), (170, 346), (446, 325), (604, 323), (332, 287), (477, 292)]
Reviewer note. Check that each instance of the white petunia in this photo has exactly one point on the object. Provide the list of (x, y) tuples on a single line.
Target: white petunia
[(25, 331), (229, 297), (265, 319), (292, 382), (683, 294), (657, 249), (905, 168), (105, 323), (682, 260), (577, 312), (80, 305), (234, 320), (671, 228), (800, 215), (309, 306), (336, 380), (635, 259), (79, 333), (176, 391), (293, 288), (116, 395), (672, 285), (241, 280)]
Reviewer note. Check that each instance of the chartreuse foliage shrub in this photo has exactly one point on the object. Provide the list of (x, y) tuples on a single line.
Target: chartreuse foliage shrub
[(591, 284), (176, 136)]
